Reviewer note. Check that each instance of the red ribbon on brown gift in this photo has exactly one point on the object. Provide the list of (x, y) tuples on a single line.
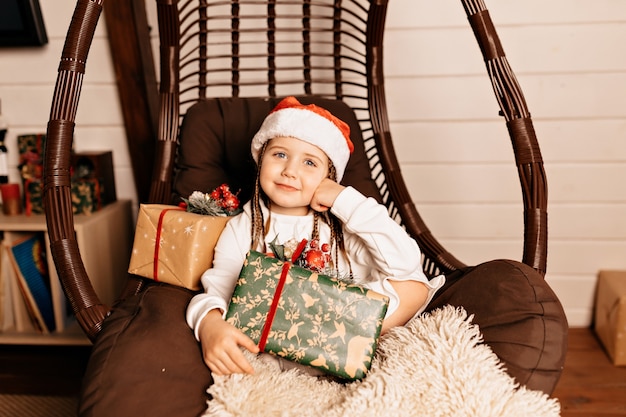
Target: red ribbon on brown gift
[(157, 243)]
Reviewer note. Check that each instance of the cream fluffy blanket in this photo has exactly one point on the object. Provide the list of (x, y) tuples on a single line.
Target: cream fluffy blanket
[(433, 366)]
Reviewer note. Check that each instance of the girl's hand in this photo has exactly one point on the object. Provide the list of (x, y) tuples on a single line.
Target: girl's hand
[(325, 195), (221, 343)]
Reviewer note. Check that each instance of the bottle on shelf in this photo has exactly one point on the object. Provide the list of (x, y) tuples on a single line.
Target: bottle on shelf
[(4, 163)]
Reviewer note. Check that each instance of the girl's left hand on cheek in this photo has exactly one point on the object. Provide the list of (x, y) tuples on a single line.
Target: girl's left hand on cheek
[(325, 195)]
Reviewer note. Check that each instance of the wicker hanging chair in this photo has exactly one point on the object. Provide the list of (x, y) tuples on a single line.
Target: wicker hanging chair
[(221, 57)]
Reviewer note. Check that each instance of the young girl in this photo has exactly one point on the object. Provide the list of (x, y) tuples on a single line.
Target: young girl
[(301, 153)]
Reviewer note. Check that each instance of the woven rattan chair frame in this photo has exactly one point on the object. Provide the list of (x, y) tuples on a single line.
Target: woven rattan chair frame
[(332, 49)]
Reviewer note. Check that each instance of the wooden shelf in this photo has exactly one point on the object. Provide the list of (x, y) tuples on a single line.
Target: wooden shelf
[(71, 335), (104, 240)]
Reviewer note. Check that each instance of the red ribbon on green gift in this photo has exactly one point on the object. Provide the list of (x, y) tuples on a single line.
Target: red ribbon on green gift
[(272, 311), (279, 290)]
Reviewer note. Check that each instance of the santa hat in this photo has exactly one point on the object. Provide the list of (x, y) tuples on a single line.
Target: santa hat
[(311, 124)]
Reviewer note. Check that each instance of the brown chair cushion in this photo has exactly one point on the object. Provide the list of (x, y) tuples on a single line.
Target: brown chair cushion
[(215, 145), (519, 316), (146, 361)]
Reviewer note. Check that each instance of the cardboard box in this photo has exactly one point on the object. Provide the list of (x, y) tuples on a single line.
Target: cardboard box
[(610, 314)]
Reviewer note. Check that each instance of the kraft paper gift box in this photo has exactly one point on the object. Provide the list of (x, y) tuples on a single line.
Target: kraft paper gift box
[(306, 317), (185, 249), (610, 314)]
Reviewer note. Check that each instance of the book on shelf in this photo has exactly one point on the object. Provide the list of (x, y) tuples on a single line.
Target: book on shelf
[(62, 310), (19, 318), (7, 316), (27, 257)]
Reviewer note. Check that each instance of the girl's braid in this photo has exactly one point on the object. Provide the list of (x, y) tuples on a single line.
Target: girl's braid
[(336, 229), (257, 227)]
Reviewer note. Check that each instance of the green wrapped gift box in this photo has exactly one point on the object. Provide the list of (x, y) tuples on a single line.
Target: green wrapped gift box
[(87, 190), (85, 196), (306, 317)]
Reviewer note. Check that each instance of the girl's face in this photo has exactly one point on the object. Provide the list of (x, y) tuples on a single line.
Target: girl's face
[(291, 171)]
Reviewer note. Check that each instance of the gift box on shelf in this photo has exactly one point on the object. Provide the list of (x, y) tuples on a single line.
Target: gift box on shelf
[(90, 183), (185, 244), (96, 165), (307, 317), (31, 150), (33, 196), (610, 314), (85, 196)]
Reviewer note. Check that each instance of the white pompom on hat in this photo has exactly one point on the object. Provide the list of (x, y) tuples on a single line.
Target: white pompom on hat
[(310, 123)]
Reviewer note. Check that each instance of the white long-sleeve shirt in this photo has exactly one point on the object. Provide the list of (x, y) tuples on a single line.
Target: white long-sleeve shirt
[(379, 249)]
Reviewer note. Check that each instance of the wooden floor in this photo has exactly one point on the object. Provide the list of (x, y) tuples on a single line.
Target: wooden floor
[(590, 385)]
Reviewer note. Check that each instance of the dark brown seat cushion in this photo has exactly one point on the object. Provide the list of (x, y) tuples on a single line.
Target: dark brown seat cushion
[(519, 316), (147, 362)]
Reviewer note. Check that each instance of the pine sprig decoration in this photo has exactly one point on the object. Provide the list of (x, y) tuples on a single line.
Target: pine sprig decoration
[(219, 202)]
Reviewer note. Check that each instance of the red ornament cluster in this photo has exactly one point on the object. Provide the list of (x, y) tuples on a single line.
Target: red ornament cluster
[(225, 198), (307, 254), (219, 202), (316, 257)]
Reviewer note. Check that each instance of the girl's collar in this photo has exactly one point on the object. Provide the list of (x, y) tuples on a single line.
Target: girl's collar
[(267, 211)]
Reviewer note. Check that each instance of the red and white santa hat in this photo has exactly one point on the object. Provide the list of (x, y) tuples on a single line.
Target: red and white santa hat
[(310, 123)]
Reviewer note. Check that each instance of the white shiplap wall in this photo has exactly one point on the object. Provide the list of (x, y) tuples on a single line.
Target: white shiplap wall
[(445, 125), (453, 147)]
